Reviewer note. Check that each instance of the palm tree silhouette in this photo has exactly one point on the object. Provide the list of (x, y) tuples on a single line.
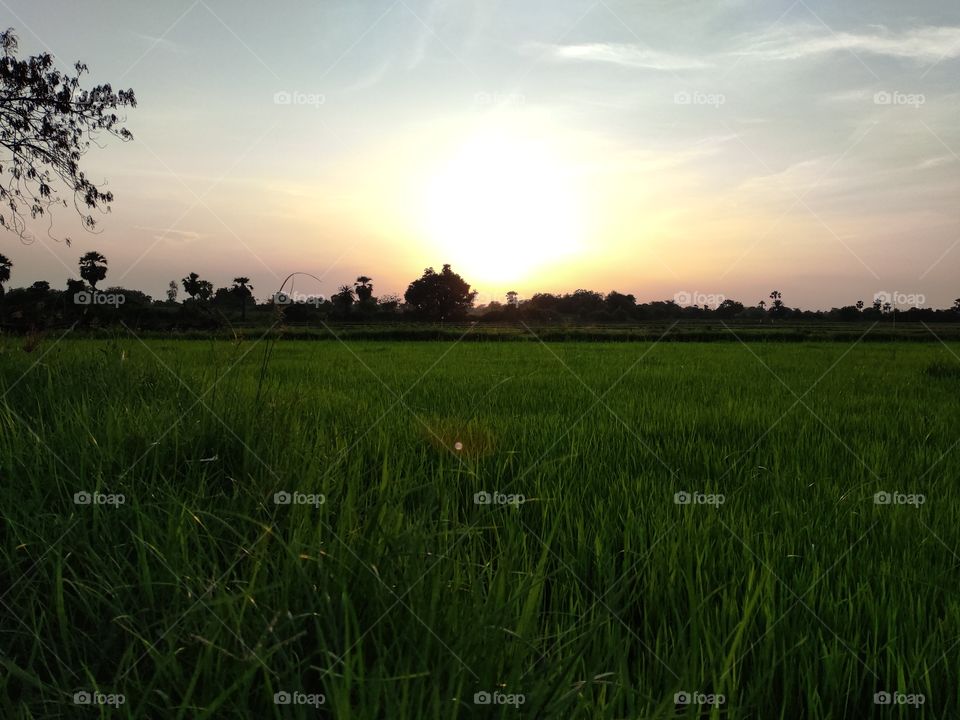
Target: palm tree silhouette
[(364, 288), (93, 268), (242, 286)]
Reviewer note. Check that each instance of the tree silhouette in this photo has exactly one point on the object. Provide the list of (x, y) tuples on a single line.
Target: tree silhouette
[(440, 295), (343, 300), (196, 288), (242, 288), (956, 305), (622, 305), (513, 299), (364, 289), (776, 306), (860, 305), (5, 266), (389, 303), (172, 292), (47, 123), (93, 267), (729, 308)]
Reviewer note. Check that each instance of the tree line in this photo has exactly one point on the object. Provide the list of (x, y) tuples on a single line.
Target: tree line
[(49, 122), (444, 296)]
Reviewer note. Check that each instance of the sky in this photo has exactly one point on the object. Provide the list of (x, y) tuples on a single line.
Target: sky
[(670, 149)]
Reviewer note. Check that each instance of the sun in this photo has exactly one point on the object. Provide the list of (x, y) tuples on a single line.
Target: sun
[(503, 205)]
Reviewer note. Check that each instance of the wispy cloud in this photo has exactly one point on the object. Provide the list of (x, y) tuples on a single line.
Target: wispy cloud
[(427, 34), (924, 44), (160, 43), (372, 78), (172, 235), (935, 162), (854, 95), (658, 159), (624, 54)]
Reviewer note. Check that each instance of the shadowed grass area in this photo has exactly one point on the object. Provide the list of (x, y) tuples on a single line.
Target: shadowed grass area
[(398, 595)]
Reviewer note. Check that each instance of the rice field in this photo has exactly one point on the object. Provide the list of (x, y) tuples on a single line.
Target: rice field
[(284, 529)]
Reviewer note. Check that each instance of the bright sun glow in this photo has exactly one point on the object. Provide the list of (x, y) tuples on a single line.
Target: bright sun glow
[(502, 206)]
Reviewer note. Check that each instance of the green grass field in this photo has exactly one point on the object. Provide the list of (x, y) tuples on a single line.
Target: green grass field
[(594, 595)]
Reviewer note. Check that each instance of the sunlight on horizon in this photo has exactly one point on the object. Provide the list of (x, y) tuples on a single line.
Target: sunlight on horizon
[(724, 149), (504, 204)]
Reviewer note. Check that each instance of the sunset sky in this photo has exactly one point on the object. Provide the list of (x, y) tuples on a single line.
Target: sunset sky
[(724, 147)]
